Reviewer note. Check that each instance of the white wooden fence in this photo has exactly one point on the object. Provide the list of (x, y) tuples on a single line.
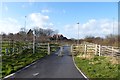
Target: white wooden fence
[(90, 48), (44, 46), (16, 50)]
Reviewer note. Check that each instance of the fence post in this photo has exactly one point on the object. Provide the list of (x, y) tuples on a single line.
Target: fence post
[(6, 51), (34, 36), (13, 49), (112, 51), (99, 50), (61, 49), (33, 44), (71, 48), (96, 49), (48, 49), (85, 51)]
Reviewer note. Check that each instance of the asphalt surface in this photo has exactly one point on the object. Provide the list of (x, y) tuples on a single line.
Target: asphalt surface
[(52, 66)]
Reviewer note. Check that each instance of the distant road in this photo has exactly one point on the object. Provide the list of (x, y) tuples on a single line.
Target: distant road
[(52, 66)]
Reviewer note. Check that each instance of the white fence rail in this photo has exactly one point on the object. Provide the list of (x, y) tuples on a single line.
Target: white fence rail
[(96, 49), (6, 49), (44, 46)]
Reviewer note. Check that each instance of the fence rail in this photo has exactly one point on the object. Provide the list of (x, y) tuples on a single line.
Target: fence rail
[(9, 47), (90, 48)]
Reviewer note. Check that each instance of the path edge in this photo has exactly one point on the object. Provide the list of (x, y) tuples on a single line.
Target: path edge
[(79, 69)]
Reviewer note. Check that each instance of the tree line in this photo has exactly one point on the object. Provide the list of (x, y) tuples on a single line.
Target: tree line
[(108, 40), (41, 35), (49, 35)]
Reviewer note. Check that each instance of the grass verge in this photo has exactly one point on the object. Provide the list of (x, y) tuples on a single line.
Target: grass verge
[(98, 67)]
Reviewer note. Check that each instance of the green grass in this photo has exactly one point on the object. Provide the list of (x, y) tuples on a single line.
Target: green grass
[(97, 67), (14, 62)]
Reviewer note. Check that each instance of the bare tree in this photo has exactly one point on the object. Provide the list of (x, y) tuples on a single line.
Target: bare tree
[(43, 35)]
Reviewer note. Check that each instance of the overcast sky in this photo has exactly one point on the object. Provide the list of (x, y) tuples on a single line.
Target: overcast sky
[(95, 18)]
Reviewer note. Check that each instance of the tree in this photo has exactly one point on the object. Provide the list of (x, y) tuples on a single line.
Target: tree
[(111, 40), (49, 32), (11, 36), (89, 39), (43, 35), (4, 36), (30, 35)]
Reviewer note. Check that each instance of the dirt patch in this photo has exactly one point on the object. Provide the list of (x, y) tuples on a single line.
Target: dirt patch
[(112, 60), (86, 56)]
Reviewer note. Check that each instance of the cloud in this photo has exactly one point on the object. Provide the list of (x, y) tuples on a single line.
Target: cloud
[(51, 24), (89, 24), (38, 19), (45, 11), (93, 27), (9, 25)]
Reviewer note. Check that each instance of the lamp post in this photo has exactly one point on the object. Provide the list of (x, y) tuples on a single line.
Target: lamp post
[(114, 38), (78, 34), (113, 27), (25, 33), (25, 24), (25, 28)]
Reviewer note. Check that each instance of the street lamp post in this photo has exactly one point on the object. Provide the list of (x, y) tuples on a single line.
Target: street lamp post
[(113, 33), (113, 26), (25, 24), (25, 34), (78, 34)]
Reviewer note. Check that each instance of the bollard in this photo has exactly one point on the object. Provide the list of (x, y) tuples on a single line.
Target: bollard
[(48, 49), (60, 54)]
